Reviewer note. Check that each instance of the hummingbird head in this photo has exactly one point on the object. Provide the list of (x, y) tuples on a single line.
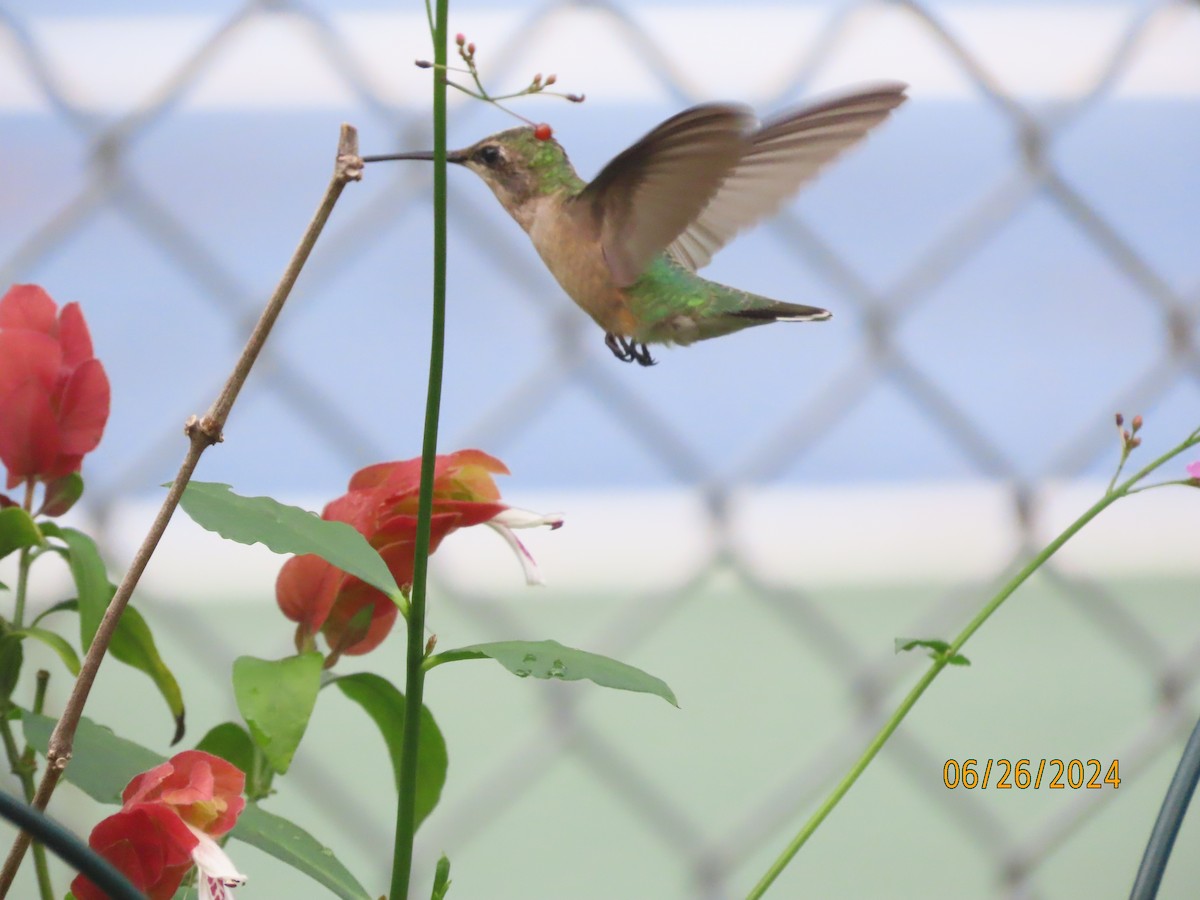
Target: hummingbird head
[(519, 168)]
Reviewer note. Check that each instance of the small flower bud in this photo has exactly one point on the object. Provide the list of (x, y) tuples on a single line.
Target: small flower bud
[(430, 644), (1135, 442), (543, 132), (471, 49), (460, 39), (1136, 423), (1120, 420), (423, 64), (1125, 436), (550, 79), (576, 98), (537, 79)]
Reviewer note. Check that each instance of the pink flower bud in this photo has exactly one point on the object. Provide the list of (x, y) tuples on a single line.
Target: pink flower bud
[(423, 64), (550, 79), (1137, 423), (460, 39)]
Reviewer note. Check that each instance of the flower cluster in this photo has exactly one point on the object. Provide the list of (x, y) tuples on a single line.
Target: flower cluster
[(54, 395), (167, 824), (381, 504)]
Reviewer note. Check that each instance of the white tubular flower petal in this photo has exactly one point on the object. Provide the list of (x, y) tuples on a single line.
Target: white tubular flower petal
[(523, 518), (533, 575), (503, 524), (217, 872)]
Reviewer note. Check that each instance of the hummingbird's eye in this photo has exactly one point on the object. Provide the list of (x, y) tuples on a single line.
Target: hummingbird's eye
[(489, 155)]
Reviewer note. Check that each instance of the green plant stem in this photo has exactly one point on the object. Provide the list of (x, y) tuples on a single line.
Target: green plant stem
[(22, 766), (23, 563), (893, 722), (415, 674)]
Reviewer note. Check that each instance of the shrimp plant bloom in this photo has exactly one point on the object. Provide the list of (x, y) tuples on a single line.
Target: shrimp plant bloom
[(168, 823), (54, 393), (381, 503)]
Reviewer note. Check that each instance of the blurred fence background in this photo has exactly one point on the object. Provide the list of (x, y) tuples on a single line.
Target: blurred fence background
[(1010, 260)]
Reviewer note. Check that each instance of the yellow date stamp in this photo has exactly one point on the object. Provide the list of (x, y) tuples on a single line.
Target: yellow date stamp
[(1026, 774)]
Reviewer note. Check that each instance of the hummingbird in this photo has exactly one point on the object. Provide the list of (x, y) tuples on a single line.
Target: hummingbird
[(626, 246)]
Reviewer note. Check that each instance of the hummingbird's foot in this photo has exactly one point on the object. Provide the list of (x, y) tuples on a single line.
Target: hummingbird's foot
[(628, 351), (641, 354)]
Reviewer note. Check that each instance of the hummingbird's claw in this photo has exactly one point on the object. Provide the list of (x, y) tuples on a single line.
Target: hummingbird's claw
[(628, 351)]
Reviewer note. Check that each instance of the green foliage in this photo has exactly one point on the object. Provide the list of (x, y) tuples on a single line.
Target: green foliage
[(90, 576), (133, 644), (293, 845), (380, 699), (550, 659), (937, 649), (103, 764), (12, 655), (285, 529), (17, 530), (55, 642), (276, 698), (441, 879)]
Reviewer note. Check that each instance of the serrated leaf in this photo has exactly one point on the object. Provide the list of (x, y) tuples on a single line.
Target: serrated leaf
[(937, 649), (385, 704), (103, 764), (133, 644), (285, 529), (91, 581), (276, 698), (55, 642), (17, 530), (293, 845), (551, 660)]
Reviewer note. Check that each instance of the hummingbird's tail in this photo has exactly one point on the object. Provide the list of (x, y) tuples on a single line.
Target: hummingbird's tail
[(778, 311)]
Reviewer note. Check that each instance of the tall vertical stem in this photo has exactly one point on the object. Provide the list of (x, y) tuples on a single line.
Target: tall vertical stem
[(415, 678)]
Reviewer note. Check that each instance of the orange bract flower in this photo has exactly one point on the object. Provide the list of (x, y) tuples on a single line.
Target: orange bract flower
[(167, 824), (54, 395), (381, 504)]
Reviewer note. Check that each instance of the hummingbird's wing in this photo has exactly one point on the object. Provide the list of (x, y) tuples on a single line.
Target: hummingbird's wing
[(785, 152), (647, 195)]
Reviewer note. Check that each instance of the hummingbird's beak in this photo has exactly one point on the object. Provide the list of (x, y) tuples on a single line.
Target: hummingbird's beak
[(452, 156)]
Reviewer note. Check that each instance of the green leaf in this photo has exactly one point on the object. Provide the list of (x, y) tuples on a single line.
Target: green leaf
[(441, 879), (103, 764), (232, 742), (286, 529), (937, 649), (55, 642), (91, 581), (133, 644), (276, 698), (293, 845), (61, 494), (12, 656), (385, 705), (550, 659), (17, 530)]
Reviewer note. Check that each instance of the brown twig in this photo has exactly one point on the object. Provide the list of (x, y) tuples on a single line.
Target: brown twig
[(202, 433)]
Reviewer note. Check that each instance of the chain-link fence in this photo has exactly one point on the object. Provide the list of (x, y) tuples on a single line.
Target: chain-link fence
[(1010, 260)]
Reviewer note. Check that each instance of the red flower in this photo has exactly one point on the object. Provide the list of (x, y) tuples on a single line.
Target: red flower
[(205, 790), (54, 395), (149, 843), (167, 824), (381, 503)]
